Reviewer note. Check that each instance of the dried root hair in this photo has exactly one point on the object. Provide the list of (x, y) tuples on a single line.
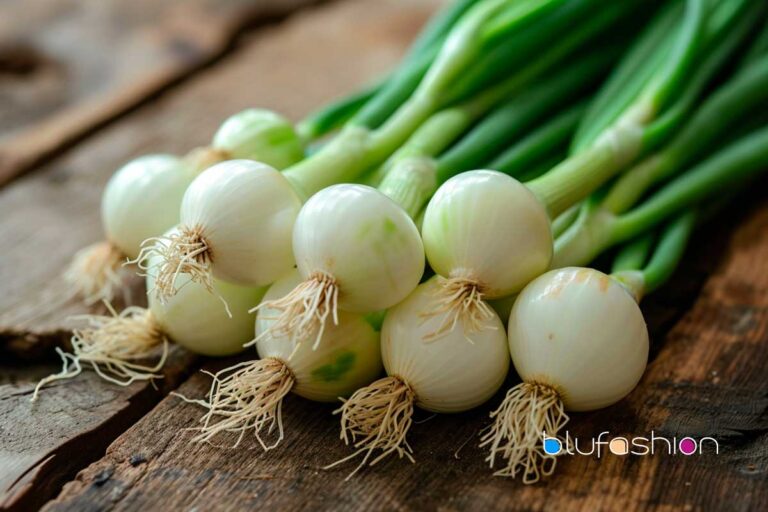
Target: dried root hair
[(96, 273), (377, 417), (244, 397), (305, 311), (183, 252), (114, 346), (459, 300), (528, 411)]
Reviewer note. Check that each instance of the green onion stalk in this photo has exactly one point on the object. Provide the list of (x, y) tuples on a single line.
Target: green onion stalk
[(573, 322), (603, 330), (388, 262), (143, 197), (487, 235), (579, 342), (237, 217), (725, 111), (372, 105)]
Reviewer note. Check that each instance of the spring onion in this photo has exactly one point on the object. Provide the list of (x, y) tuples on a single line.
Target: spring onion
[(248, 396), (446, 377), (579, 342), (388, 261), (354, 150), (142, 199), (519, 246), (118, 346)]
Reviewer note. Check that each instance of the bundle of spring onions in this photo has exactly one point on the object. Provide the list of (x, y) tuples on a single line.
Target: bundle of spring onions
[(517, 141)]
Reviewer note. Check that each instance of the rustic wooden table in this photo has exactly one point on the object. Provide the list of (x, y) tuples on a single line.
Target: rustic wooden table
[(85, 86)]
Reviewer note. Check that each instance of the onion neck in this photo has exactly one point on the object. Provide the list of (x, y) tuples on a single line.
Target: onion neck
[(411, 183), (585, 172)]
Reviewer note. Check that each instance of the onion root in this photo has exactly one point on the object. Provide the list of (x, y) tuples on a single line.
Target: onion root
[(305, 310), (246, 396), (182, 252), (96, 273), (112, 345), (459, 299), (528, 411), (377, 417)]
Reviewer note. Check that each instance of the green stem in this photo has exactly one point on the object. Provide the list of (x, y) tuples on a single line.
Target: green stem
[(523, 46), (520, 113), (335, 114), (583, 173), (437, 28), (597, 229), (634, 254), (543, 165), (739, 161), (669, 251), (629, 77), (565, 220), (580, 175), (410, 183), (759, 46), (413, 67), (396, 91), (726, 33), (721, 113), (667, 83), (357, 149), (539, 143)]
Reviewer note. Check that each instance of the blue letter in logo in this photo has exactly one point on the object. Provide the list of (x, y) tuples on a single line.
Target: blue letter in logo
[(552, 445)]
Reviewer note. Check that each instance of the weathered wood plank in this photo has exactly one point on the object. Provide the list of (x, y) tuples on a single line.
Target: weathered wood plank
[(69, 66), (707, 379), (46, 217), (44, 444)]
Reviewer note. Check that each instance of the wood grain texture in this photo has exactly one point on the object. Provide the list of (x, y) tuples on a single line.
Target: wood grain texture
[(46, 217), (69, 66), (44, 444), (707, 378)]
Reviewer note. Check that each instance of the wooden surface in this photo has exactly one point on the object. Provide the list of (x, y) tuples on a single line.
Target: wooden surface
[(45, 443), (70, 66), (707, 376)]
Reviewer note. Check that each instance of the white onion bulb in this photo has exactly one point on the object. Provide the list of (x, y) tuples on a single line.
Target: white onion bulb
[(236, 223), (446, 376), (357, 251), (450, 375), (579, 342), (262, 135), (142, 200), (348, 358), (487, 227), (581, 332), (365, 241), (194, 318), (248, 397), (126, 347)]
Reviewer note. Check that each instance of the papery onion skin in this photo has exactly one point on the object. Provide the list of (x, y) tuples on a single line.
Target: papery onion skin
[(450, 374), (245, 211), (262, 135), (365, 241), (582, 333), (195, 319), (142, 200), (488, 227), (348, 357)]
